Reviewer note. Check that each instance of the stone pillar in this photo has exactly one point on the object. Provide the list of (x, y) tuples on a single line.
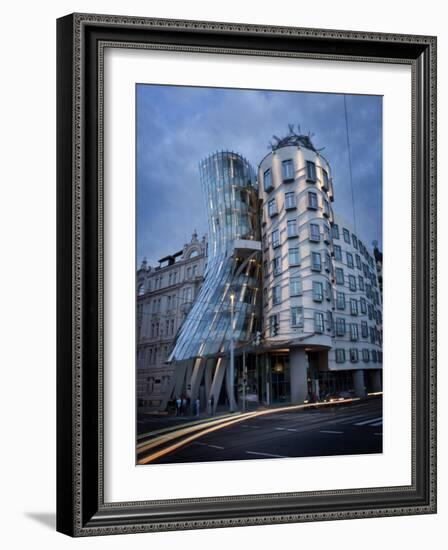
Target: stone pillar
[(196, 377), (298, 368), (376, 380), (358, 383)]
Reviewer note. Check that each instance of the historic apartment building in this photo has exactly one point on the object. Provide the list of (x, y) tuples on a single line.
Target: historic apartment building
[(290, 308), (165, 295)]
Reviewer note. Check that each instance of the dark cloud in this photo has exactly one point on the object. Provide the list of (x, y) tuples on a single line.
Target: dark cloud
[(178, 126)]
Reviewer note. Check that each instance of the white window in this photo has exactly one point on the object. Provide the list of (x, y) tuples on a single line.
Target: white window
[(295, 286), (297, 316)]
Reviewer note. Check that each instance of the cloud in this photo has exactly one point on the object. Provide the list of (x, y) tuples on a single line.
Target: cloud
[(178, 126)]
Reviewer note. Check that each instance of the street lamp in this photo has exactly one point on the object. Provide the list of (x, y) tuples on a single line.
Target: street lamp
[(232, 352)]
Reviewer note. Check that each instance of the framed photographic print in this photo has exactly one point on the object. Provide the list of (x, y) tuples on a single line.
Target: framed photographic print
[(246, 274)]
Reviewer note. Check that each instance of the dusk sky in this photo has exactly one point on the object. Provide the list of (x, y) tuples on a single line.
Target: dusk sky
[(178, 126)]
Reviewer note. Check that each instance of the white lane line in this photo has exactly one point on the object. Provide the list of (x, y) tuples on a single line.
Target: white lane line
[(369, 421), (377, 424), (281, 429), (291, 430), (330, 432), (208, 445), (265, 454)]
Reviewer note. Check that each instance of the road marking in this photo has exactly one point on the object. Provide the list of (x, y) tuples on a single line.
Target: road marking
[(266, 454), (208, 445), (291, 430), (330, 432), (369, 421), (377, 424), (281, 429)]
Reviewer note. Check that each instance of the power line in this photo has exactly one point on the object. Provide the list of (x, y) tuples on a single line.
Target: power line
[(350, 163)]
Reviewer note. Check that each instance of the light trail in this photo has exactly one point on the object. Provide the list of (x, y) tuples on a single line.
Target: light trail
[(218, 425)]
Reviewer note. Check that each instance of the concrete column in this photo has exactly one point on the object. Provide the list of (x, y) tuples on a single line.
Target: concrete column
[(218, 378), (196, 377), (358, 383), (298, 367), (376, 380), (230, 390)]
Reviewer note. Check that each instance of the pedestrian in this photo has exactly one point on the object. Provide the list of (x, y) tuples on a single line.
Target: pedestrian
[(178, 405), (184, 405), (212, 404), (197, 405)]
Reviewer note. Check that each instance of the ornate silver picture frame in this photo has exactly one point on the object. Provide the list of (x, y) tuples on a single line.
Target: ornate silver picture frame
[(82, 509)]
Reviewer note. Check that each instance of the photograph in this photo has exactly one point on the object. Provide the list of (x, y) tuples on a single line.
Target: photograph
[(259, 274)]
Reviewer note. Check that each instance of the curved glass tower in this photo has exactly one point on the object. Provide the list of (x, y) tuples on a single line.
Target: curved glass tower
[(230, 291)]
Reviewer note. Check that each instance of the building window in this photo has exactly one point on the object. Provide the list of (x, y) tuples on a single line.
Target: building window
[(350, 260), (339, 276), (297, 316), (277, 265), (365, 355), (340, 300), (374, 356), (295, 286), (361, 283), (290, 201), (141, 290), (363, 304), (337, 253), (358, 261), (326, 208), (380, 356), (327, 234), (292, 228), (353, 331), (272, 208), (267, 178), (275, 238), (293, 256), (346, 234), (364, 329), (273, 325), (355, 241), (310, 171), (276, 294), (327, 262), (316, 263), (354, 355), (314, 233), (318, 322), (340, 356), (340, 326), (335, 231), (325, 179), (352, 283), (353, 306), (372, 335), (287, 170), (318, 291), (312, 200), (328, 291), (330, 321)]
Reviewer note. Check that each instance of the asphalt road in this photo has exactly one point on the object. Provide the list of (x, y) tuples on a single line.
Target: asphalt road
[(354, 428)]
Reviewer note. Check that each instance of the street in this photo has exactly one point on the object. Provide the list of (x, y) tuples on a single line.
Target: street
[(353, 427)]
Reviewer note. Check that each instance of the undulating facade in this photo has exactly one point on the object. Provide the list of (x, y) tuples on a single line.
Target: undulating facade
[(290, 307)]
